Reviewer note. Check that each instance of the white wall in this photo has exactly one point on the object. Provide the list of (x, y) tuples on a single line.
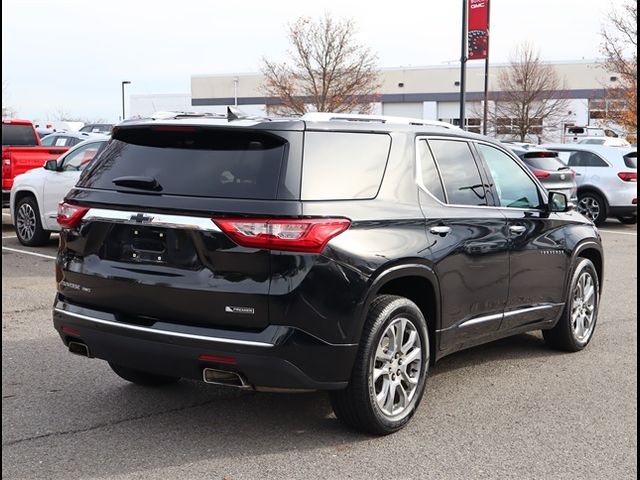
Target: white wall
[(411, 110)]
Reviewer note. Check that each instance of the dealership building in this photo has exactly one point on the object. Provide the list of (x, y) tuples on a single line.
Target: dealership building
[(419, 92)]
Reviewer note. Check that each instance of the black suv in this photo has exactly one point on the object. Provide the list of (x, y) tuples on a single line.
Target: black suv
[(330, 252)]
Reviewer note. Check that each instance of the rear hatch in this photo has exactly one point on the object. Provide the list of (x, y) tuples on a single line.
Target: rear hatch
[(551, 171), (148, 248)]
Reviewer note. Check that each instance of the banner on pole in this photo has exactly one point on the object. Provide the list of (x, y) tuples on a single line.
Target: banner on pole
[(478, 30)]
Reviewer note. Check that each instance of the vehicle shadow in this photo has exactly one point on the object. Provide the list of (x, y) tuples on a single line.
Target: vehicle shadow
[(188, 422)]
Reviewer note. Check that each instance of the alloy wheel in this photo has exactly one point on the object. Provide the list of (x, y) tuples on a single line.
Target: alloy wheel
[(583, 310), (397, 366), (589, 207), (26, 222)]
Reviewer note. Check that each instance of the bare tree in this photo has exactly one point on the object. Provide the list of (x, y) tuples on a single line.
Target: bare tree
[(530, 101), (328, 70), (7, 110), (620, 48)]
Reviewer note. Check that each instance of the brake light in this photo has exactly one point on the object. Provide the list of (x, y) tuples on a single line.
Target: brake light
[(6, 167), (217, 358), (541, 174), (70, 215), (573, 173), (628, 176), (307, 235)]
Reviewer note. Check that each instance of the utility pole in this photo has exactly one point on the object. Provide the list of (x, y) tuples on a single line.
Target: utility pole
[(463, 65)]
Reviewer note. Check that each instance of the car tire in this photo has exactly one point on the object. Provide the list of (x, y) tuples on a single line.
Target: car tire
[(385, 370), (28, 226), (575, 328), (142, 378), (593, 206), (629, 220)]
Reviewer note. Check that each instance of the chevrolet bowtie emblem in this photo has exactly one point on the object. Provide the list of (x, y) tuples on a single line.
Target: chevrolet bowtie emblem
[(141, 218)]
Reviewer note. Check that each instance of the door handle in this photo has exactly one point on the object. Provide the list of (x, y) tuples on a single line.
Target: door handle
[(440, 230), (517, 229)]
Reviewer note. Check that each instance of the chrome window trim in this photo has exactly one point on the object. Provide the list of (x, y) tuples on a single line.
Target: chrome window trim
[(155, 219), (420, 184), (139, 328)]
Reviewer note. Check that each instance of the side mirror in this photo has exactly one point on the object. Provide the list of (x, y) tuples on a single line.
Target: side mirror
[(558, 202), (51, 165)]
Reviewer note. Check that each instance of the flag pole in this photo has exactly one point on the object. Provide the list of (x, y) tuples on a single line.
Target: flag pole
[(463, 64)]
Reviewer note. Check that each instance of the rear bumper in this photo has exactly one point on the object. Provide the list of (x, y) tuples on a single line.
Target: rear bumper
[(625, 211), (276, 357)]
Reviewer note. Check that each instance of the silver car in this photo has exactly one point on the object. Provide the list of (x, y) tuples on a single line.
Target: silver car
[(546, 165), (607, 180)]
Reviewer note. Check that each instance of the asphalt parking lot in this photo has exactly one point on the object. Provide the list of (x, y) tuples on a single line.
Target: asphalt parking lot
[(510, 409)]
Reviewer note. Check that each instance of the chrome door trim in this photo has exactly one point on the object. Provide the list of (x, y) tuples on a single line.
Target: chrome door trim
[(151, 219), (511, 313), (139, 328)]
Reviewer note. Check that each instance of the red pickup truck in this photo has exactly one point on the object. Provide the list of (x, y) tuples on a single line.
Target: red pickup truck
[(22, 151)]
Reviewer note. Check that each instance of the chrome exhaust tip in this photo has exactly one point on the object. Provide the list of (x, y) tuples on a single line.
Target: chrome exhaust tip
[(224, 377), (78, 348)]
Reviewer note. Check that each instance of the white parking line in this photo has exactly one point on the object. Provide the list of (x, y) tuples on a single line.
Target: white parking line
[(15, 250), (10, 236), (6, 214), (619, 233)]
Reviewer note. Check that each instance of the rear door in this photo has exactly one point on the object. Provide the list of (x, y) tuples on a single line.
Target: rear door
[(467, 239), (538, 260), (149, 248)]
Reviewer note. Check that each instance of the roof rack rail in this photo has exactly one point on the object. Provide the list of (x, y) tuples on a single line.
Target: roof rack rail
[(172, 115), (353, 117)]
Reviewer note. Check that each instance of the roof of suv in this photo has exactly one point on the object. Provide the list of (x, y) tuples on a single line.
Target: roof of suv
[(316, 121)]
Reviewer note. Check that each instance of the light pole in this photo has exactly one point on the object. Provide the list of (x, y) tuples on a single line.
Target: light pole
[(235, 91), (125, 82)]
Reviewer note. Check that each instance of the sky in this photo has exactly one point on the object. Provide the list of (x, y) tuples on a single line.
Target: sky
[(72, 55)]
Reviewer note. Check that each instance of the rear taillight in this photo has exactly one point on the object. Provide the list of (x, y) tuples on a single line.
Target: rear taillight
[(541, 173), (70, 215), (628, 176), (308, 235), (6, 167), (573, 173)]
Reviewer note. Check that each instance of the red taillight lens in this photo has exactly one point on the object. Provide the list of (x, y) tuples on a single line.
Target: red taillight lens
[(628, 176), (308, 235), (541, 174), (70, 215), (6, 167)]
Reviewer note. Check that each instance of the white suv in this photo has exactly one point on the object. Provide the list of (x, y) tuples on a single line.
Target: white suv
[(607, 180), (35, 194)]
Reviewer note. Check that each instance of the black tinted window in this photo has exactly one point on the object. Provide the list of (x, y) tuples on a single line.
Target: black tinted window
[(430, 175), (343, 166), (544, 163), (18, 135), (459, 172), (631, 160), (585, 159), (192, 161)]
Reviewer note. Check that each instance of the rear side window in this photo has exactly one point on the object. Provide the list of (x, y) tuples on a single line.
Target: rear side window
[(430, 175), (192, 161), (18, 135), (343, 166), (459, 171), (585, 159), (550, 163), (631, 160)]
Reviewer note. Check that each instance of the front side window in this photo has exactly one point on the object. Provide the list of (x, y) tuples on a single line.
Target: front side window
[(515, 188), (462, 182), (77, 160)]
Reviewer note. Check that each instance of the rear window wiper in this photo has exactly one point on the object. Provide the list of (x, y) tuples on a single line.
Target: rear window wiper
[(143, 183)]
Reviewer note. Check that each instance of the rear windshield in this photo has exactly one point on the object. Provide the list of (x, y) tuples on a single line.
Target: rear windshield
[(549, 162), (631, 160), (18, 135), (191, 161)]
